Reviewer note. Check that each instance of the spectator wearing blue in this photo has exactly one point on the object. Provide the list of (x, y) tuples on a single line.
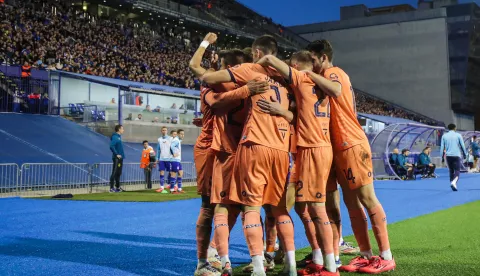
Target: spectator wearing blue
[(404, 168), (118, 155), (475, 151), (453, 149), (425, 164)]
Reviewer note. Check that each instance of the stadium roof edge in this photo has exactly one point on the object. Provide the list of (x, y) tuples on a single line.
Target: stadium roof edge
[(135, 86), (416, 15)]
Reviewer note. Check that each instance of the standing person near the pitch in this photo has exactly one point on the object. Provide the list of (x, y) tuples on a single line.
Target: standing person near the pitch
[(163, 158), (353, 164), (454, 148), (146, 162), (314, 156), (176, 170), (118, 155), (261, 161), (213, 102), (475, 152)]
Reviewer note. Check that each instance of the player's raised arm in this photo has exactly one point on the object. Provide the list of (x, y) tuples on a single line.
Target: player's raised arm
[(196, 61), (280, 66), (253, 87), (216, 77), (332, 88)]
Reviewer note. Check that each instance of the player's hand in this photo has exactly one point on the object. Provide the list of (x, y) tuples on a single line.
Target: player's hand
[(119, 156), (265, 60), (197, 122), (257, 87), (211, 38), (271, 107)]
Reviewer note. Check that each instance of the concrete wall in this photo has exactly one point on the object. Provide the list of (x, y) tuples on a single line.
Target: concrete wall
[(136, 132), (405, 63)]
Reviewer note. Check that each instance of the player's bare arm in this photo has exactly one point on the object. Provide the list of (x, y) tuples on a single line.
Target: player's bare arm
[(274, 108), (195, 62), (277, 64), (252, 88), (216, 77), (331, 88)]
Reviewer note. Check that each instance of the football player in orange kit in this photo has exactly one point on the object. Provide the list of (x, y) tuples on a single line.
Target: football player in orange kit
[(353, 164), (204, 155), (261, 161), (314, 159)]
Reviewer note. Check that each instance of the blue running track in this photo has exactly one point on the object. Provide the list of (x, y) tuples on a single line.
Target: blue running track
[(44, 237)]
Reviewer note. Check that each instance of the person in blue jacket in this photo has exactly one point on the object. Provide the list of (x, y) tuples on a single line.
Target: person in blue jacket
[(425, 164), (118, 155)]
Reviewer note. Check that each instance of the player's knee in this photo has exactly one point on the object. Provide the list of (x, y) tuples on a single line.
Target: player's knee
[(367, 197), (221, 209), (251, 208)]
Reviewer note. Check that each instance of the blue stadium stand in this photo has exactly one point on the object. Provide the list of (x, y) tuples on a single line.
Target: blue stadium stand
[(27, 138)]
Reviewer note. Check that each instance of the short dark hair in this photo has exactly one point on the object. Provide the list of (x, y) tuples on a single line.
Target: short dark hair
[(145, 141), (173, 131), (302, 57), (180, 130), (452, 126), (163, 127), (247, 55), (231, 57), (474, 137), (405, 150), (426, 148), (118, 127), (267, 44), (320, 48)]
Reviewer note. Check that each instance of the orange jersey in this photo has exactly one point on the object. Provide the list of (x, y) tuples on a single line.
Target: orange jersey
[(204, 140), (345, 129), (228, 121), (261, 128), (313, 117), (145, 159)]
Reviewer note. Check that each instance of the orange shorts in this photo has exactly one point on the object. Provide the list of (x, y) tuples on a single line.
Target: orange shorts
[(332, 185), (260, 175), (313, 166), (204, 165), (354, 166), (222, 177)]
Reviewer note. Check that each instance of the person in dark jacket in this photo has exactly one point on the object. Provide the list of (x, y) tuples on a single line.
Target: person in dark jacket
[(404, 168), (425, 164), (118, 155)]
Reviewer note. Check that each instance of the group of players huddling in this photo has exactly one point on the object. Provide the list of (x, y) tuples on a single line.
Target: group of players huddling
[(273, 132)]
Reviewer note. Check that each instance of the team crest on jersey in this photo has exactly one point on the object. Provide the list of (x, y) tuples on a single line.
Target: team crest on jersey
[(333, 76)]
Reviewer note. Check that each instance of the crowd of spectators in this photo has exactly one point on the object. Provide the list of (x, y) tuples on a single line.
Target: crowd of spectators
[(64, 38), (371, 105), (60, 37)]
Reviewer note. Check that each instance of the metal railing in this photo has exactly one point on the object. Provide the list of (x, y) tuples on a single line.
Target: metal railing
[(48, 179)]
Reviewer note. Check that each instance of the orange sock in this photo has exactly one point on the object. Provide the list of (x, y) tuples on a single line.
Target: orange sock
[(378, 218), (203, 231), (285, 228), (252, 228), (323, 228), (221, 233), (358, 219), (307, 221)]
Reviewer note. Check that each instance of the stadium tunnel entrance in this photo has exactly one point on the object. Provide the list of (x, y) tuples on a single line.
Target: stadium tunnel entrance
[(414, 137)]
